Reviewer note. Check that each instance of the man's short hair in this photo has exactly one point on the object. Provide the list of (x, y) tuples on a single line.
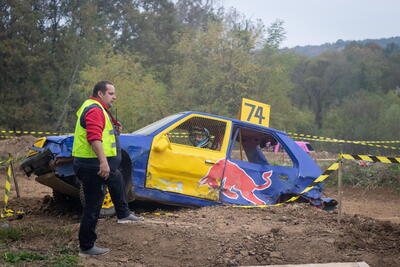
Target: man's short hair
[(100, 86)]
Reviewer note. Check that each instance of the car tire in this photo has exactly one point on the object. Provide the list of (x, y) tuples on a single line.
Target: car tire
[(108, 212), (128, 189), (126, 168)]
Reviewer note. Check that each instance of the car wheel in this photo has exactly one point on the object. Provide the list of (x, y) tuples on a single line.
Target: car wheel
[(126, 169), (130, 197)]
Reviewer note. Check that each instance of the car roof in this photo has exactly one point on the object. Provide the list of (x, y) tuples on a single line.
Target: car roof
[(236, 121)]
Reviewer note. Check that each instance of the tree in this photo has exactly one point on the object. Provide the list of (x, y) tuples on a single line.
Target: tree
[(365, 116), (140, 99), (322, 82), (43, 45), (196, 14), (276, 34), (274, 86), (21, 44), (214, 72)]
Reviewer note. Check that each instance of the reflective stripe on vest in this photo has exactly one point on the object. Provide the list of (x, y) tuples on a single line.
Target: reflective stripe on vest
[(81, 147)]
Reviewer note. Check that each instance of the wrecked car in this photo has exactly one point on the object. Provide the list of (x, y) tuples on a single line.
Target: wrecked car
[(194, 159)]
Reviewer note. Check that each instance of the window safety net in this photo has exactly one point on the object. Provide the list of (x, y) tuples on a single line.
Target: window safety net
[(199, 132)]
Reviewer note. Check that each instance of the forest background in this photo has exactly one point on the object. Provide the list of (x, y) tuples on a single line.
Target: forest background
[(170, 56)]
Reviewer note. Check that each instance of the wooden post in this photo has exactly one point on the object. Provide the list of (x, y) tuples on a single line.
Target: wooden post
[(340, 178), (14, 178)]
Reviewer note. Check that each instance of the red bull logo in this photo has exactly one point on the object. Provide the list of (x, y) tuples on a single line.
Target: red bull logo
[(235, 181)]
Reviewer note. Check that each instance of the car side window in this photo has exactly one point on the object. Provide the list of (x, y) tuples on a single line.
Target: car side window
[(258, 147), (199, 132)]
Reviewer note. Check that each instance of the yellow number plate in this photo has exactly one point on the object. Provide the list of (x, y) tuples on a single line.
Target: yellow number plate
[(255, 112)]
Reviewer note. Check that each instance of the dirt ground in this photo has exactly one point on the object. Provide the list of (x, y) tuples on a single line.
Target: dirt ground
[(217, 236)]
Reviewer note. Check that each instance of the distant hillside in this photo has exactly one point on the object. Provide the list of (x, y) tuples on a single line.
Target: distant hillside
[(316, 50)]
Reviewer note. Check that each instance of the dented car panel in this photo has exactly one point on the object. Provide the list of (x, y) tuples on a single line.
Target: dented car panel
[(165, 164)]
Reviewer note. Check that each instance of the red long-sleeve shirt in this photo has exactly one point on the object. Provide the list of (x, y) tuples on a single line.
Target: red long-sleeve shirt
[(95, 121)]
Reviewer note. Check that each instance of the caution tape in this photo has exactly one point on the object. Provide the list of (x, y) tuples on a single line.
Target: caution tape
[(363, 143), (381, 142), (341, 140), (158, 213), (319, 179), (307, 135), (7, 190), (27, 132), (371, 158), (7, 136), (32, 132)]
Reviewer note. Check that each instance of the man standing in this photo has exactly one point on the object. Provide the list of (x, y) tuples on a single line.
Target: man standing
[(97, 156)]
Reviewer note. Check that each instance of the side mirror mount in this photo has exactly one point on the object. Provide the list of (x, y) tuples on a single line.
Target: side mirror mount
[(161, 144)]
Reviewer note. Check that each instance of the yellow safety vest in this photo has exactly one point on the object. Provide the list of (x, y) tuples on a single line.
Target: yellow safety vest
[(81, 147)]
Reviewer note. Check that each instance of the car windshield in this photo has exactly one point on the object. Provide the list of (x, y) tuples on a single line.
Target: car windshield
[(151, 128)]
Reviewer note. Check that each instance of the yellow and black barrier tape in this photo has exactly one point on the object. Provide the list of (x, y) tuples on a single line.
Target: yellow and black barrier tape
[(23, 132), (381, 142), (371, 158), (363, 143), (332, 168), (7, 187), (28, 132), (7, 136), (7, 190), (158, 213), (307, 135), (342, 140)]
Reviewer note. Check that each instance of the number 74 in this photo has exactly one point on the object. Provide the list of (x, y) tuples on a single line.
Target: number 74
[(258, 112)]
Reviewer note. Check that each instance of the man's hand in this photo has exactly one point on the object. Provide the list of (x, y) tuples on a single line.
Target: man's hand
[(104, 171)]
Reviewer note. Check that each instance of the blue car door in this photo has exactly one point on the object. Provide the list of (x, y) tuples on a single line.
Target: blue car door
[(249, 177)]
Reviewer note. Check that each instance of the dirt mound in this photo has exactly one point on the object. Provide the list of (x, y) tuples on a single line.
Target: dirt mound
[(228, 236), (17, 147)]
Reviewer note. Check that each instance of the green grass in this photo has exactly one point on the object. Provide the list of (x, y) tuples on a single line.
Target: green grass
[(12, 257), (17, 257), (66, 261), (10, 233)]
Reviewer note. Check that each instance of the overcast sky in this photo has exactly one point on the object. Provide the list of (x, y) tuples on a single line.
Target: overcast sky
[(314, 22)]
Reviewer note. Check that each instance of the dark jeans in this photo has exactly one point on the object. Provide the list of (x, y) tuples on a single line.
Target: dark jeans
[(94, 189)]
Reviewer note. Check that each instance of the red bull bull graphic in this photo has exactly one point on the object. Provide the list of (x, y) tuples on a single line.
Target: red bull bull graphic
[(235, 182)]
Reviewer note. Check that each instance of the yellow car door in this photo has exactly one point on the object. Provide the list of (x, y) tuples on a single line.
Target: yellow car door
[(185, 152)]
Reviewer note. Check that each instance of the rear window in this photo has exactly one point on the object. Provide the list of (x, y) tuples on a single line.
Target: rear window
[(258, 147)]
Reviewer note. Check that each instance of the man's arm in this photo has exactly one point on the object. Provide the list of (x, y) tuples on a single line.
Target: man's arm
[(95, 123), (97, 147)]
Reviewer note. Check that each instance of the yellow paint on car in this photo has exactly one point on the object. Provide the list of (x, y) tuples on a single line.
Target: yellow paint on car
[(179, 167)]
